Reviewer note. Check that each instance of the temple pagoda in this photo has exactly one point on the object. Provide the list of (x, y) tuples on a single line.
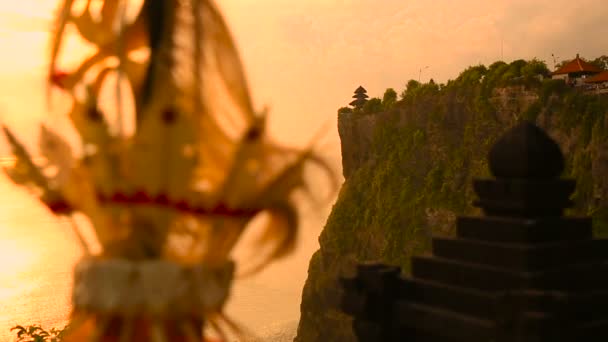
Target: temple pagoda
[(360, 98)]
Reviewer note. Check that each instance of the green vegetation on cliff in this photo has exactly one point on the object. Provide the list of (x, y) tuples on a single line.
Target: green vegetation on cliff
[(409, 167)]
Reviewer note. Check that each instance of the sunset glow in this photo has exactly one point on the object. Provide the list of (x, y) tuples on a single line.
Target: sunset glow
[(14, 259), (303, 60)]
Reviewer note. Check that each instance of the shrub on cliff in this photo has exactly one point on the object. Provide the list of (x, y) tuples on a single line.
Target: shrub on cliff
[(35, 333), (345, 110), (373, 105), (389, 98), (601, 62)]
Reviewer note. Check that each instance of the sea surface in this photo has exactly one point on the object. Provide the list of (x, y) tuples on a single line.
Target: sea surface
[(37, 253)]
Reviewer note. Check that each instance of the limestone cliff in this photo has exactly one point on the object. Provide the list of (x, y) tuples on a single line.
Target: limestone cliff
[(408, 172)]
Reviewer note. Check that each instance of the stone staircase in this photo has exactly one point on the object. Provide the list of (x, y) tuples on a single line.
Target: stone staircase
[(521, 272)]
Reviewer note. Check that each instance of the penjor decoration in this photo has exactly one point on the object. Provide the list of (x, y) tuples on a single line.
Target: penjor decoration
[(168, 202)]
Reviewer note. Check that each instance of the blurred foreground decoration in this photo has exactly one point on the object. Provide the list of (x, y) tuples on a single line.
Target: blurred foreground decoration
[(521, 272), (169, 202)]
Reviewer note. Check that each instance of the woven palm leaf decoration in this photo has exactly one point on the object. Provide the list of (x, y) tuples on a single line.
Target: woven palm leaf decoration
[(169, 202)]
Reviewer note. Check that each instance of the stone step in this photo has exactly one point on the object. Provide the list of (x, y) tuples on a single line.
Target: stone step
[(576, 277), (513, 230), (371, 331), (591, 305), (428, 323), (520, 257), (596, 330), (444, 296), (480, 304), (440, 324), (535, 326)]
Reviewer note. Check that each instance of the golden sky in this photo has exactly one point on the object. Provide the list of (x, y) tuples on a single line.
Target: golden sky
[(304, 58)]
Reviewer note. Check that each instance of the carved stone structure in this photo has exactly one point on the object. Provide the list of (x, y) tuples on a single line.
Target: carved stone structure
[(521, 272)]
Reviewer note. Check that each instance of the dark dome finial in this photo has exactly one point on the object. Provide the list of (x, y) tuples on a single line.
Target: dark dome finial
[(526, 152)]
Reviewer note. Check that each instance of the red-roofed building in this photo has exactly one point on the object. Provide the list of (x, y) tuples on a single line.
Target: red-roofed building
[(575, 71), (602, 77), (599, 81)]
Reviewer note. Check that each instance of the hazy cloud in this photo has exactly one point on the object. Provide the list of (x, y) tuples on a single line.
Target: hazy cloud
[(304, 58)]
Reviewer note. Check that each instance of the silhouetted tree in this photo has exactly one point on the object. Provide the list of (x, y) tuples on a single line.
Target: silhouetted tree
[(360, 98), (389, 98), (535, 67), (409, 87), (496, 65), (345, 110), (412, 84), (561, 64), (374, 105), (601, 62), (473, 75)]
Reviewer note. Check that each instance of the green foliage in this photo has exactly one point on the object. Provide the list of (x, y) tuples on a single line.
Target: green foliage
[(373, 105), (472, 75), (424, 157), (35, 333), (534, 68), (410, 87), (532, 112), (496, 65), (418, 91), (552, 87), (345, 110), (513, 72), (415, 176), (601, 62), (389, 98), (518, 65), (561, 63)]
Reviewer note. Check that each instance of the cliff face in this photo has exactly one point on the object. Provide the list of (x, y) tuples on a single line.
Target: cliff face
[(356, 137), (409, 169)]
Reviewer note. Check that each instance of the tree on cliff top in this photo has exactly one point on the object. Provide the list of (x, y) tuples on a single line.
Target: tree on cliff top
[(360, 98), (534, 68), (374, 105), (601, 62), (389, 98), (345, 110)]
